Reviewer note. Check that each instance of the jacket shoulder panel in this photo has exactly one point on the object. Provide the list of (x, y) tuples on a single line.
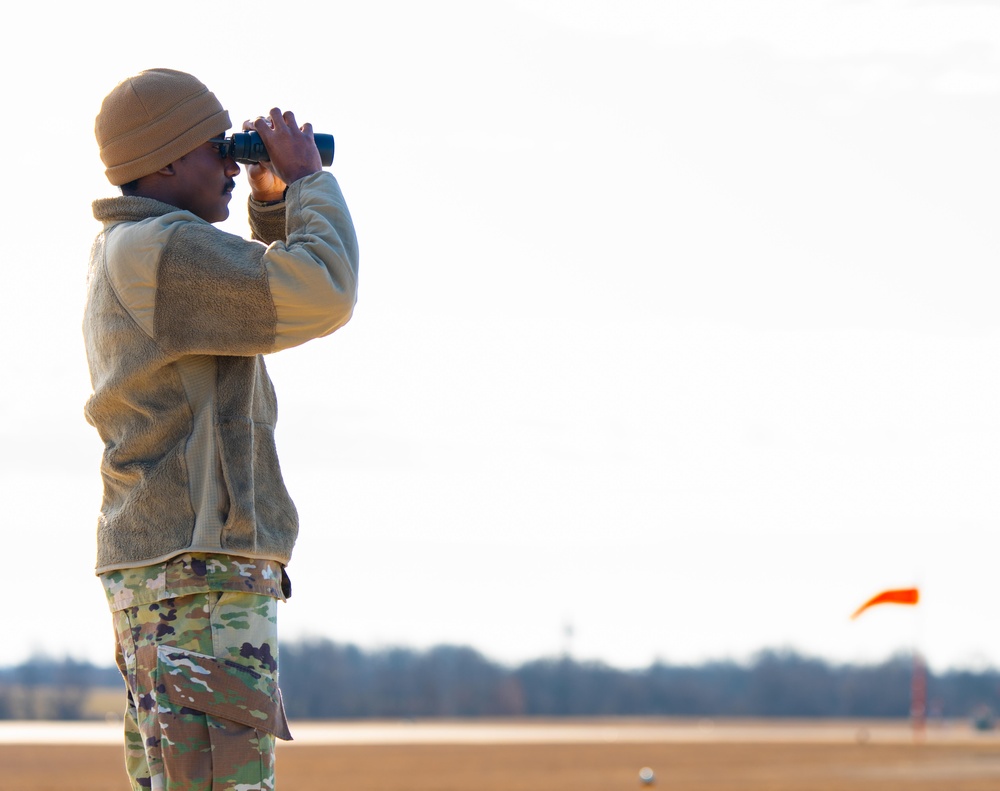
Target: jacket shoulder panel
[(132, 255), (212, 294)]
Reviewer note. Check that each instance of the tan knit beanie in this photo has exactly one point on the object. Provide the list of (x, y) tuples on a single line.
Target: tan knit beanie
[(153, 119)]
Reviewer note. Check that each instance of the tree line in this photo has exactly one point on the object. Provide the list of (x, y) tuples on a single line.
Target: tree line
[(321, 679)]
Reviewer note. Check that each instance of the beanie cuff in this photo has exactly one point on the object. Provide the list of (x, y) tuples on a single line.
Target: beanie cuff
[(200, 133)]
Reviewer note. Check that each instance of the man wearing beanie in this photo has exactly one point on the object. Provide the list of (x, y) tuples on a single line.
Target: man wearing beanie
[(196, 526)]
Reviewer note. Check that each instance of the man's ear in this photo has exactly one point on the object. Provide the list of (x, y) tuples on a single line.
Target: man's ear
[(167, 171)]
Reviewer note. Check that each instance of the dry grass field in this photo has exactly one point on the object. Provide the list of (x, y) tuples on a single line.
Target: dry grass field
[(801, 758)]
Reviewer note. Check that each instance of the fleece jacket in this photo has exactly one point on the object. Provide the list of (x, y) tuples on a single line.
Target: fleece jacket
[(179, 315)]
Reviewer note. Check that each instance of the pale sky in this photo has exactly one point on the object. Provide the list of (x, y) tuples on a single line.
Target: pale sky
[(678, 322)]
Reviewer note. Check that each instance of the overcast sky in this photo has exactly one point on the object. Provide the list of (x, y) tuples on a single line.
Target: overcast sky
[(678, 331)]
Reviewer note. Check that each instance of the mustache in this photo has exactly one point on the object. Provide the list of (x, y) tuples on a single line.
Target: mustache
[(230, 185)]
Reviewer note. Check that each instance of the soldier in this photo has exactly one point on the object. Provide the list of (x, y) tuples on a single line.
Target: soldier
[(196, 526)]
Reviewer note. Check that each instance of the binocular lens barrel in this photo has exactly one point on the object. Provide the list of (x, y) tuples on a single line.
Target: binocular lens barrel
[(248, 148)]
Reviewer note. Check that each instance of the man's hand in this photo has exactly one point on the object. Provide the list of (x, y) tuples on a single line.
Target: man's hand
[(292, 151)]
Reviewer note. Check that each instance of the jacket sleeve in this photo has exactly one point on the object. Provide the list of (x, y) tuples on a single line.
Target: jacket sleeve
[(313, 274), (216, 293), (267, 221)]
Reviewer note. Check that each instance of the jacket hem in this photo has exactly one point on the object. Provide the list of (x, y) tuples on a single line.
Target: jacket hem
[(215, 550)]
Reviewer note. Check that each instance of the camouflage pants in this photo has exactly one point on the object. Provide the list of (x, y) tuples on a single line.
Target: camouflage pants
[(203, 702)]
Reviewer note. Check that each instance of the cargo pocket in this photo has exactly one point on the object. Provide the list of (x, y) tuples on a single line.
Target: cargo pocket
[(222, 688)]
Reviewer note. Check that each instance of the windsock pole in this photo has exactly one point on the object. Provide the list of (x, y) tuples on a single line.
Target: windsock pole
[(918, 697)]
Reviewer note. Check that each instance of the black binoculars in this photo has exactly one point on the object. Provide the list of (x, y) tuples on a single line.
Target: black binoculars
[(248, 148)]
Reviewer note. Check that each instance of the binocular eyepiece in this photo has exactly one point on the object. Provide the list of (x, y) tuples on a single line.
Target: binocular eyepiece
[(248, 148)]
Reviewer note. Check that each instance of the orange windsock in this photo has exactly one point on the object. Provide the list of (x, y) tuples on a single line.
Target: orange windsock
[(900, 596)]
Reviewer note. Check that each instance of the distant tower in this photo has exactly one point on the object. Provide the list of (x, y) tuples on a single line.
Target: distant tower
[(567, 638)]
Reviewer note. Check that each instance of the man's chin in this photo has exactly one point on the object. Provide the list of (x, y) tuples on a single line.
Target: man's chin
[(225, 206)]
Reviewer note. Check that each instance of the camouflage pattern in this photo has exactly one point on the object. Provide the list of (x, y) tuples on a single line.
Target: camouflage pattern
[(194, 573), (201, 670)]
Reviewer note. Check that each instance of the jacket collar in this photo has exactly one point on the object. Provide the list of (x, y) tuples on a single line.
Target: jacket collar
[(129, 208)]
